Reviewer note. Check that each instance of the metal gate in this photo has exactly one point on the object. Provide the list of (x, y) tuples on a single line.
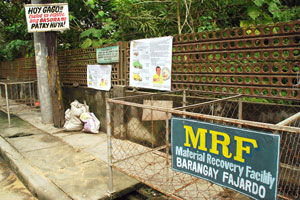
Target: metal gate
[(139, 140)]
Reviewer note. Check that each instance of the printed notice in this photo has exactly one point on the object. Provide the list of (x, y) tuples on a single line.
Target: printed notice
[(99, 77), (150, 63), (47, 17)]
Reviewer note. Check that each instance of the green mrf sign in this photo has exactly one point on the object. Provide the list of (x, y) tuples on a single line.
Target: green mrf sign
[(240, 159)]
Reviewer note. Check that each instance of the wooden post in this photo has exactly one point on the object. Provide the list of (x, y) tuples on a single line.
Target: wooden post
[(54, 80)]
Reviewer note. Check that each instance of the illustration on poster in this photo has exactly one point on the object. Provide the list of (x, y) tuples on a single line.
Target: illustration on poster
[(157, 77)]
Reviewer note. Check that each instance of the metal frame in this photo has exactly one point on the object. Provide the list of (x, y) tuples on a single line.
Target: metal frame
[(7, 83), (125, 101)]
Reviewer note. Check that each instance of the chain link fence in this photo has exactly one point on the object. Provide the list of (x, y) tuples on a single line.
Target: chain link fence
[(139, 138)]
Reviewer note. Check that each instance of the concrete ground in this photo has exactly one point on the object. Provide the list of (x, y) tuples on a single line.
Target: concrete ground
[(54, 164), (10, 186)]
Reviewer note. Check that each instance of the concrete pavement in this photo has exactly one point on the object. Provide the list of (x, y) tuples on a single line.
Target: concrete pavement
[(58, 165)]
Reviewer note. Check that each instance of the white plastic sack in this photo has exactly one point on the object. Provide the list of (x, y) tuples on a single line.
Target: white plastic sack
[(91, 123), (72, 121), (78, 108), (73, 124)]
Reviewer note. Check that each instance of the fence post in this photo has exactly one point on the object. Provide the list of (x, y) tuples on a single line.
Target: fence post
[(7, 104), (184, 102), (109, 148), (167, 153)]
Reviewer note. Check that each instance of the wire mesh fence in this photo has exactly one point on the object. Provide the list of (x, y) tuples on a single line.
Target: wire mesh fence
[(139, 137)]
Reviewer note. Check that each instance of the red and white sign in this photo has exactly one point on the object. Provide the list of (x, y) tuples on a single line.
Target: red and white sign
[(47, 17)]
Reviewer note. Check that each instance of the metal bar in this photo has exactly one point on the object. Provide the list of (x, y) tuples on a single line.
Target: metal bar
[(109, 149), (240, 112), (289, 120), (152, 123), (0, 96), (184, 101), (7, 105), (210, 117), (167, 153), (30, 95), (148, 94), (209, 102)]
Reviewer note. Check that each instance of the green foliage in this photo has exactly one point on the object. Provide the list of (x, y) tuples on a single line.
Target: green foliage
[(96, 22), (14, 40)]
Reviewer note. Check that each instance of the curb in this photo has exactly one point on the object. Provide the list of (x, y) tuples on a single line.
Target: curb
[(35, 181)]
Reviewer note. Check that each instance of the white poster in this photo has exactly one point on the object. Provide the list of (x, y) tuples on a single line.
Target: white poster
[(150, 63), (99, 77), (47, 17)]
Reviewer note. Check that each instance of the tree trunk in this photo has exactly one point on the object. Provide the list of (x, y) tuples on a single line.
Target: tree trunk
[(54, 80)]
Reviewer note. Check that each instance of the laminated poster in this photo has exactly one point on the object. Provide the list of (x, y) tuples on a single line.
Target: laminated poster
[(47, 17), (150, 63), (99, 77)]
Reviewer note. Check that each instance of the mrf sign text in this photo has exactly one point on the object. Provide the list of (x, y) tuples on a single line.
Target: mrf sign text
[(47, 17), (241, 159)]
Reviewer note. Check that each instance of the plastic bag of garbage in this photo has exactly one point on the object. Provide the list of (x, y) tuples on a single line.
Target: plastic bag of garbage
[(91, 123), (72, 121), (73, 124), (78, 108)]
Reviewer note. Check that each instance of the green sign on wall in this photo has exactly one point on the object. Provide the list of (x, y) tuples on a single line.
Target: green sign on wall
[(108, 54), (243, 160)]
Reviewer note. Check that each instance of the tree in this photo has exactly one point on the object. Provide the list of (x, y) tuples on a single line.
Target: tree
[(98, 22), (14, 39)]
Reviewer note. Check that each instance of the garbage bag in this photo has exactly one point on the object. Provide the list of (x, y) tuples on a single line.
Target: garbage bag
[(78, 108), (72, 120), (91, 122), (73, 124)]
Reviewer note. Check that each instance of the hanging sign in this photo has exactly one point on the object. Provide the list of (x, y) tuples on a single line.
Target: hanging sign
[(243, 160), (99, 77), (108, 54), (150, 63), (47, 17)]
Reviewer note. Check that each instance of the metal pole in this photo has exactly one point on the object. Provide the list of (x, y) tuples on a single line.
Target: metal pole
[(30, 94), (152, 123), (0, 96), (184, 102), (109, 149), (240, 109), (167, 152), (42, 73), (7, 105)]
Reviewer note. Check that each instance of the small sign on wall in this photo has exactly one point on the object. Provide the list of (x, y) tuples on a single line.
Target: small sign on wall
[(108, 54), (244, 160)]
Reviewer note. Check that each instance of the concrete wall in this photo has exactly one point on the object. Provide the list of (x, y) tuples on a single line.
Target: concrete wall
[(95, 99), (128, 119)]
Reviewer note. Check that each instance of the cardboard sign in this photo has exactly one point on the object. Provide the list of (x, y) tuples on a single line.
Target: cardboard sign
[(246, 161), (47, 17)]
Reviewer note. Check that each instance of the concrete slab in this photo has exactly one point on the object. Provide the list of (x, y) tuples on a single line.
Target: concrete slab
[(10, 186), (84, 140), (34, 142), (89, 181), (57, 157), (93, 144), (19, 130), (61, 165)]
